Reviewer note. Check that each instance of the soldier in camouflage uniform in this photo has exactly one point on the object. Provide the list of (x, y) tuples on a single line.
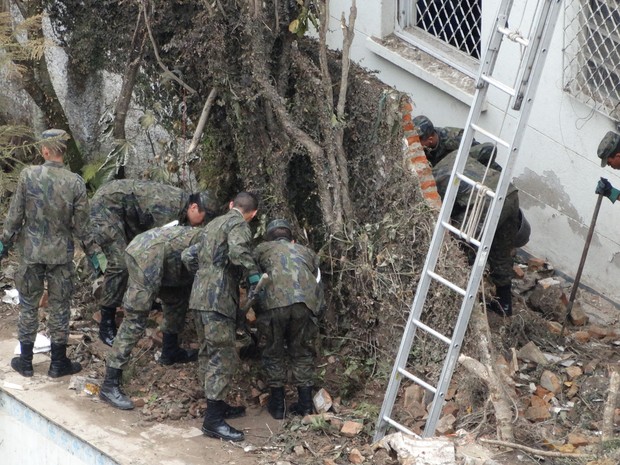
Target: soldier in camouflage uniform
[(220, 259), (48, 211), (155, 270), (287, 316), (124, 208), (609, 153), (439, 142), (500, 258)]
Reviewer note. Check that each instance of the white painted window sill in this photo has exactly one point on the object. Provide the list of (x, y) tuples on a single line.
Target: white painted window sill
[(424, 66)]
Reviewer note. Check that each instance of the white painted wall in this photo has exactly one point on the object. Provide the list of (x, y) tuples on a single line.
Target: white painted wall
[(557, 168)]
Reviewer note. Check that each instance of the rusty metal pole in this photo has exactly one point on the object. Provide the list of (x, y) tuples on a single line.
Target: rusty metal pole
[(584, 254)]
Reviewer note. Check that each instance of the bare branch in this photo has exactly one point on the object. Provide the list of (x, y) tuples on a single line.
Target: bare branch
[(202, 121), (167, 72), (610, 405), (530, 450)]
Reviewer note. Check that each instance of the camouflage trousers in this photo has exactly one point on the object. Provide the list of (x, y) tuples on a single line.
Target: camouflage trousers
[(218, 358), (138, 301), (500, 259), (288, 333), (29, 281), (109, 235)]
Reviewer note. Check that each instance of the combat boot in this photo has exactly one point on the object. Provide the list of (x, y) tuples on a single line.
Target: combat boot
[(304, 405), (214, 425), (233, 411), (171, 353), (107, 326), (276, 406), (502, 303), (23, 363), (61, 365), (111, 391)]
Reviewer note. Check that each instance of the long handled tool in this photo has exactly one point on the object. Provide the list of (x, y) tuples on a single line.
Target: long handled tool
[(584, 254)]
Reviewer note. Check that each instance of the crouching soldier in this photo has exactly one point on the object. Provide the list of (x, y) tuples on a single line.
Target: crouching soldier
[(155, 270), (122, 209), (287, 317)]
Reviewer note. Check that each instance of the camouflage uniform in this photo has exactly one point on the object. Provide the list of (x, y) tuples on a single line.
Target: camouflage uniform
[(121, 210), (449, 140), (155, 270), (49, 208), (500, 259), (219, 259), (287, 317)]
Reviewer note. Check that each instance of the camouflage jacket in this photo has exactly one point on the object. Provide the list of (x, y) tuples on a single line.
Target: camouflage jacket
[(293, 270), (158, 254), (138, 205), (219, 259), (48, 211), (473, 169)]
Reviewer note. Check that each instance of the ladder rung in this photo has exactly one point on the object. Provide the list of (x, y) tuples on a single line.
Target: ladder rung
[(417, 380), (400, 427), (501, 142), (445, 282), (431, 331), (460, 234), (500, 85), (513, 35), (475, 184)]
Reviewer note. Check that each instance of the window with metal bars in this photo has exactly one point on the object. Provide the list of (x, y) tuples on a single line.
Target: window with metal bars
[(452, 22), (592, 53)]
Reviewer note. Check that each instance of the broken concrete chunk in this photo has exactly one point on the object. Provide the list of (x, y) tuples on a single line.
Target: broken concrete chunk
[(548, 282), (355, 456), (581, 336), (578, 440), (548, 302), (536, 414), (532, 353), (578, 316), (413, 393), (445, 425), (351, 429), (573, 371), (299, 450), (597, 332), (535, 263), (551, 382), (322, 401), (430, 451)]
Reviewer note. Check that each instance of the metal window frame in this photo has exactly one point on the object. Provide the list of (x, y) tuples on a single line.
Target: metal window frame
[(428, 43)]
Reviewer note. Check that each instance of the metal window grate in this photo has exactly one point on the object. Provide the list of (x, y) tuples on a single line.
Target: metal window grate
[(457, 23), (592, 54)]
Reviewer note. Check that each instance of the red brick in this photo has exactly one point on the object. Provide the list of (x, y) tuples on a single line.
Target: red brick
[(408, 127)]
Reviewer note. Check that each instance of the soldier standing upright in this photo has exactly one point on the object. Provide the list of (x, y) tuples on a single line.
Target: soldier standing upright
[(121, 210), (287, 317), (155, 270), (48, 211), (220, 259)]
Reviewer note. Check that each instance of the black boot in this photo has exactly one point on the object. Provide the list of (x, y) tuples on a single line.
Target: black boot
[(61, 365), (214, 425), (502, 303), (111, 391), (107, 327), (234, 411), (275, 406), (171, 353), (23, 363), (304, 404)]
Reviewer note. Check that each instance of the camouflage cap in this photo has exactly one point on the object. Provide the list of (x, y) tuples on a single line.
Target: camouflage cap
[(207, 202), (424, 126), (55, 138), (609, 146), (278, 223)]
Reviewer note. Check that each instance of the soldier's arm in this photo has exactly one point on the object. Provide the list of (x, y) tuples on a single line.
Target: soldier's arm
[(189, 257), (81, 219), (239, 251), (15, 216)]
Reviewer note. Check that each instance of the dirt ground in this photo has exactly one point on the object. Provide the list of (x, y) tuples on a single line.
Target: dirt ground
[(171, 397)]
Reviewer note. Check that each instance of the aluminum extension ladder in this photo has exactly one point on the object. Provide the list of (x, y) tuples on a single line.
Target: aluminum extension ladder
[(520, 99)]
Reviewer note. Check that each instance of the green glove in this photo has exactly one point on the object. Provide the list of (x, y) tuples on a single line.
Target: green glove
[(254, 279), (4, 251), (604, 188), (94, 261)]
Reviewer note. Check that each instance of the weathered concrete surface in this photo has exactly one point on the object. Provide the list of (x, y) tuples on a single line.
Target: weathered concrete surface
[(122, 435)]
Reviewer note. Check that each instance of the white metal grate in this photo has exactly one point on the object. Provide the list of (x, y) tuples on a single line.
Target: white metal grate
[(592, 54), (455, 22)]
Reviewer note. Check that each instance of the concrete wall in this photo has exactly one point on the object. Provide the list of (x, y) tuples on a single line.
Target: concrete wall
[(557, 168)]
